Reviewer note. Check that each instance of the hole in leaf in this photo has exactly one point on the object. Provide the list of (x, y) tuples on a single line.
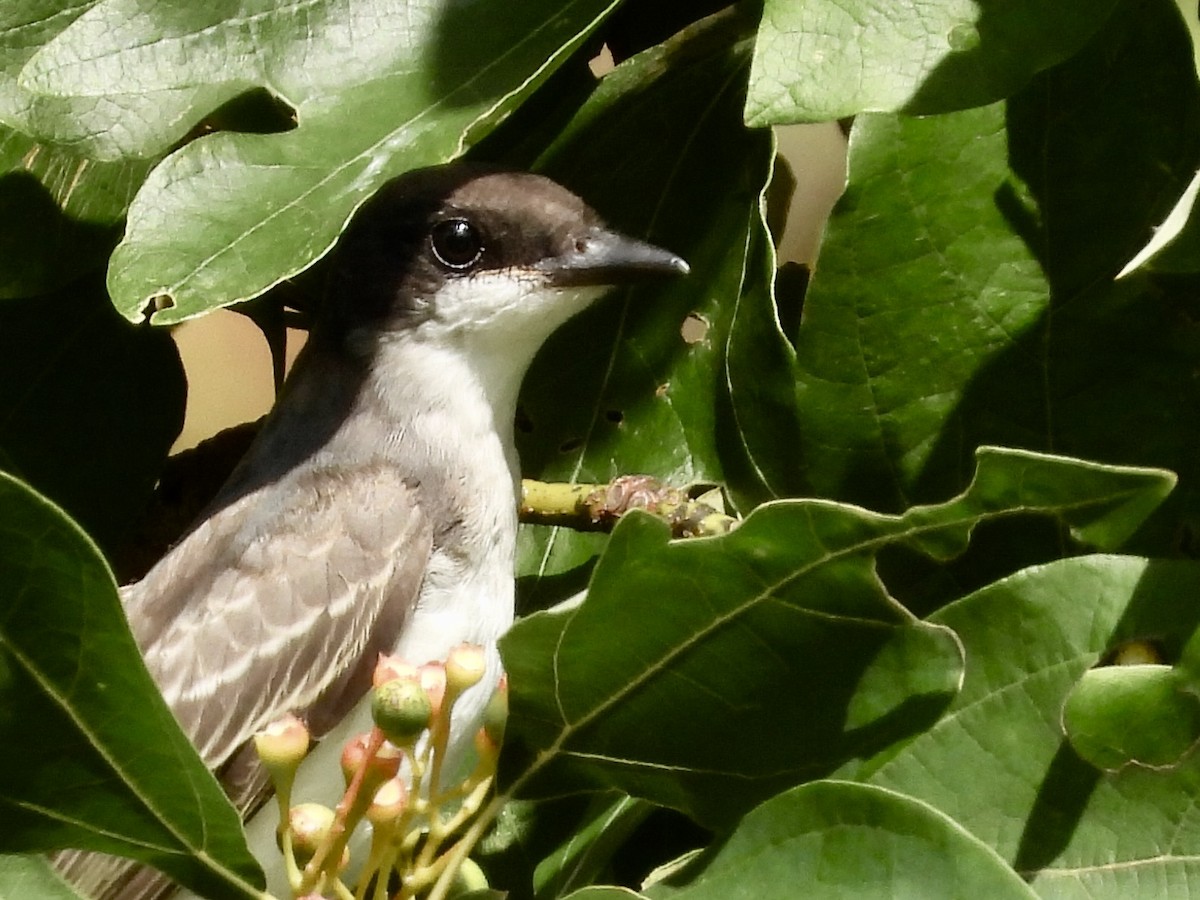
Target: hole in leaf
[(570, 445), (257, 111), (1135, 652), (694, 328), (615, 416)]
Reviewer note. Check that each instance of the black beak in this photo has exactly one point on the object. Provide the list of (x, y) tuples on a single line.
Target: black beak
[(605, 257)]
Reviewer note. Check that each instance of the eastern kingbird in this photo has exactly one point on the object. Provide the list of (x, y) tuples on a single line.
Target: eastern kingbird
[(376, 510)]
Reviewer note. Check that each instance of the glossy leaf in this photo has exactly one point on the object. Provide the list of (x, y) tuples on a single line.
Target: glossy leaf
[(840, 839), (999, 762), (823, 59), (377, 88), (832, 667), (90, 756), (964, 292), (1132, 715)]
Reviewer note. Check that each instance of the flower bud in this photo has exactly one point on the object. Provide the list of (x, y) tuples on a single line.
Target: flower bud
[(310, 825), (468, 879), (433, 679), (487, 749), (392, 667), (402, 710), (381, 765), (495, 714), (465, 667), (390, 802), (283, 743)]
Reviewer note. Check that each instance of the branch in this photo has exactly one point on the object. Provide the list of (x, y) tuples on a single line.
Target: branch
[(598, 507)]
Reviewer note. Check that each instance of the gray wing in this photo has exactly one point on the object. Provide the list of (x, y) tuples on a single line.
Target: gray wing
[(280, 601)]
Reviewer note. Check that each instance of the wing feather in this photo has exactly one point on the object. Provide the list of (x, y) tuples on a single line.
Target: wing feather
[(277, 602), (278, 599)]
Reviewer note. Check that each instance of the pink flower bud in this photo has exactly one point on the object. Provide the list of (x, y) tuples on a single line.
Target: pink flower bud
[(389, 668), (390, 802), (433, 679), (381, 766), (310, 824)]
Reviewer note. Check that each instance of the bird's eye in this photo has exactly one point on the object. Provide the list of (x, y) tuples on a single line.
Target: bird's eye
[(456, 243)]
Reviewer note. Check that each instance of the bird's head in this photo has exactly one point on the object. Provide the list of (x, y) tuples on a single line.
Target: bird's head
[(475, 256)]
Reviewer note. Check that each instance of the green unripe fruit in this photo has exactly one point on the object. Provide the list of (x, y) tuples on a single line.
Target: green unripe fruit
[(402, 710)]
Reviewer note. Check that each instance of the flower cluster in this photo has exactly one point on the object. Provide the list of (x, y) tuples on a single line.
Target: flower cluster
[(393, 776)]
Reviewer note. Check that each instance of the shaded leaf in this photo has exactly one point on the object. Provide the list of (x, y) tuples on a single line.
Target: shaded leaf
[(840, 839), (605, 893), (964, 292), (59, 210), (1121, 715), (999, 763), (107, 767), (833, 668), (824, 60), (89, 405), (589, 848), (620, 389)]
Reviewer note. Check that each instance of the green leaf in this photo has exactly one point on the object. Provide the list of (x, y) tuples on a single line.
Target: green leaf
[(90, 756), (25, 27), (964, 294), (59, 210), (59, 213), (760, 368), (840, 839), (619, 389), (1141, 714), (607, 824), (824, 60), (605, 893), (89, 405), (830, 667), (999, 763), (1175, 245), (231, 215), (31, 878)]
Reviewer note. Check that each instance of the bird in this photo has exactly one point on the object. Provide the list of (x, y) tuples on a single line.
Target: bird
[(376, 510)]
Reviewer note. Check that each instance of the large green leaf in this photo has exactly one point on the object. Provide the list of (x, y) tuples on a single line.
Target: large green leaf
[(964, 294), (90, 755), (771, 655), (606, 825), (834, 839), (999, 762), (827, 59), (376, 88), (89, 405), (59, 210), (659, 151)]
